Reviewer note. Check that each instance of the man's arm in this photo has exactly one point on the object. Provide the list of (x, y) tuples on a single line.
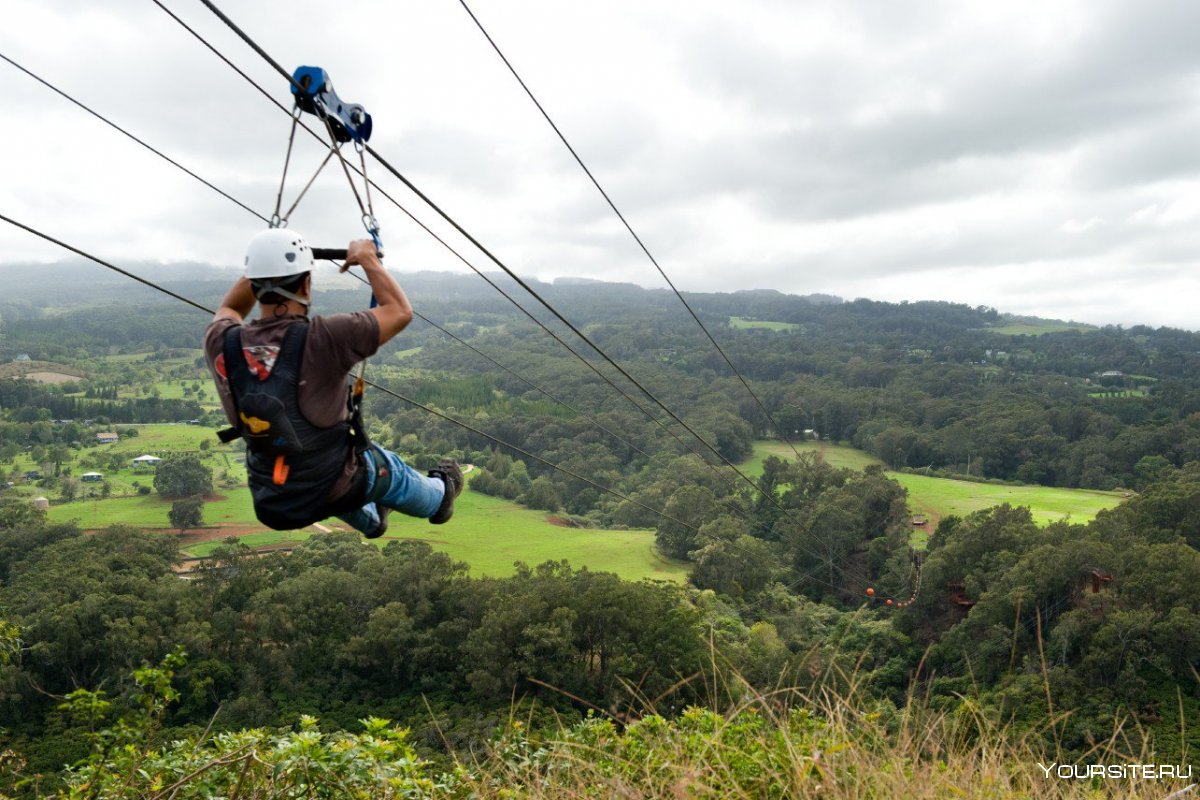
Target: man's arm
[(239, 301), (393, 311)]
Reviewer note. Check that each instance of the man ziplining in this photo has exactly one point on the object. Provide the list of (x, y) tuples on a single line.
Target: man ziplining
[(283, 380)]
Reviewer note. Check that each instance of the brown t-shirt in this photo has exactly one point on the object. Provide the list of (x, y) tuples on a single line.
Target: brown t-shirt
[(335, 344)]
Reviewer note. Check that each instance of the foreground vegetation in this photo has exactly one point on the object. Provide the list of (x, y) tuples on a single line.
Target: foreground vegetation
[(790, 743)]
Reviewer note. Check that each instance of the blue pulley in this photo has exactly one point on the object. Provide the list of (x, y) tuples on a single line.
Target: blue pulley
[(314, 93)]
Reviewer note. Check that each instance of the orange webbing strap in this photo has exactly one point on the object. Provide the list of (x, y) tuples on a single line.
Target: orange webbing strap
[(281, 471)]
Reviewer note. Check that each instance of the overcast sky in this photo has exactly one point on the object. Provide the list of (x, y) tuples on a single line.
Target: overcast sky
[(1041, 157)]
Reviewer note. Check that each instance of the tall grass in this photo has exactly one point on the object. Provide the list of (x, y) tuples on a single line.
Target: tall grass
[(830, 740), (827, 742)]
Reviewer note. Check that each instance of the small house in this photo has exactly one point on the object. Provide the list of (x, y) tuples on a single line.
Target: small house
[(146, 461), (92, 477), (23, 357), (109, 437)]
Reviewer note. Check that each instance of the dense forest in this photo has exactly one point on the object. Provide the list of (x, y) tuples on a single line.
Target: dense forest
[(1090, 626)]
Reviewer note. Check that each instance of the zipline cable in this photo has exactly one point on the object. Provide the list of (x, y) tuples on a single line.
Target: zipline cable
[(374, 385), (116, 127), (579, 356), (492, 257), (250, 210), (578, 160)]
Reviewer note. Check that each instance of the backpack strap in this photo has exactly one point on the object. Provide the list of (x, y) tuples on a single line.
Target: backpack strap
[(232, 348)]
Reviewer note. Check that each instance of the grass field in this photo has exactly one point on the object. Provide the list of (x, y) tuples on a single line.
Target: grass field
[(742, 322), (1115, 393), (835, 454), (260, 539), (491, 534), (939, 497), (488, 533), (127, 358), (166, 437), (16, 369), (150, 511), (174, 390), (1038, 328)]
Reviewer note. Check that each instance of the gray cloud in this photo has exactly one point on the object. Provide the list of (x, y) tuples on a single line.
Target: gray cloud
[(926, 149)]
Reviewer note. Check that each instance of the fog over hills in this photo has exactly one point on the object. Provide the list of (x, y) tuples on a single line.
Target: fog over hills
[(32, 288)]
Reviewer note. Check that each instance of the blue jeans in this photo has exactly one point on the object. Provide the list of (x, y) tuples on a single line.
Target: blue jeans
[(405, 490)]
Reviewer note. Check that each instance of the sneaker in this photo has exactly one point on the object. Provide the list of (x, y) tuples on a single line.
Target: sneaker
[(383, 519), (451, 474)]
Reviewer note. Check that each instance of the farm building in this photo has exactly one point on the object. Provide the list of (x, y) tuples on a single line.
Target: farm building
[(146, 461), (92, 477), (41, 503), (107, 438), (23, 357)]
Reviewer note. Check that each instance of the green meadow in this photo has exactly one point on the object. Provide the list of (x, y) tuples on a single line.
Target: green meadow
[(743, 322), (1118, 393), (942, 496), (491, 535), (1038, 328), (939, 497), (835, 455), (488, 533), (150, 511)]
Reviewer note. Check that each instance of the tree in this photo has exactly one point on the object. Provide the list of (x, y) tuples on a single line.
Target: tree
[(184, 476), (187, 513), (18, 512), (688, 509), (543, 494), (735, 568), (70, 489)]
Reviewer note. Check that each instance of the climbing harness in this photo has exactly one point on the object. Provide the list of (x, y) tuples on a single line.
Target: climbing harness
[(293, 463)]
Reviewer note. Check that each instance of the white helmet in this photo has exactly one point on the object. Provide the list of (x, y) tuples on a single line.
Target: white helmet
[(277, 253), (275, 257)]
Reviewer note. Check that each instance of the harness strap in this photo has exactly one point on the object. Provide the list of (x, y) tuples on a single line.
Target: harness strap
[(232, 349)]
